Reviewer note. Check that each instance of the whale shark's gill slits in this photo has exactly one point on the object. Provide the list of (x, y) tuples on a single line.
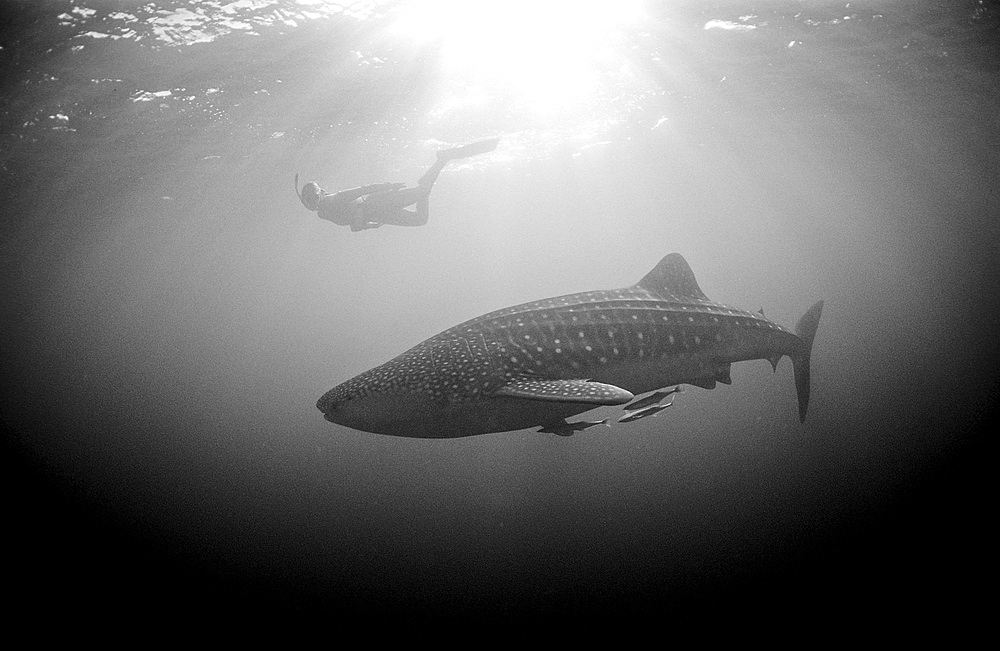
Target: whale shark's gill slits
[(441, 358), (493, 372), (463, 368), (480, 355), (520, 345)]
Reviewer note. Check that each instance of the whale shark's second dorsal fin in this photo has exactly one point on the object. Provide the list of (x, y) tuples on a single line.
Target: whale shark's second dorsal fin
[(672, 277)]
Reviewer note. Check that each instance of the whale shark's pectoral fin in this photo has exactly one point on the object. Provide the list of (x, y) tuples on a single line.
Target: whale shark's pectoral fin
[(595, 393)]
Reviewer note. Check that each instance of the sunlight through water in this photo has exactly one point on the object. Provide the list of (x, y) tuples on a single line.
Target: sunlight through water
[(544, 57)]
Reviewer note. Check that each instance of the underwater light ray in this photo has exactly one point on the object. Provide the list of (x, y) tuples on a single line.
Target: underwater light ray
[(546, 55)]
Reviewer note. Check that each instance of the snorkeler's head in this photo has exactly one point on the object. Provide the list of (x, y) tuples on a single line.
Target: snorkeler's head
[(310, 196)]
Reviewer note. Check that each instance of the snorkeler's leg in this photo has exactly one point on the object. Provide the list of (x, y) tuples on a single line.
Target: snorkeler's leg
[(409, 196), (473, 149), (445, 155), (392, 200), (427, 180), (424, 208), (388, 207), (405, 217)]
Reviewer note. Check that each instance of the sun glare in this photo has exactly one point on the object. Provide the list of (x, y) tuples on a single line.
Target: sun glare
[(548, 54)]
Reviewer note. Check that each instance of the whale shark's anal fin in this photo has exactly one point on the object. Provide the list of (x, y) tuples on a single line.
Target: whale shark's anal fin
[(594, 393)]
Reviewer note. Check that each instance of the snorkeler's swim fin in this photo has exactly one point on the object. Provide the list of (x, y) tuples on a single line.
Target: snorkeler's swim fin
[(481, 147)]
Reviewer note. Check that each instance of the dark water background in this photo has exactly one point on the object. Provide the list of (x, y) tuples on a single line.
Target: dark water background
[(171, 313)]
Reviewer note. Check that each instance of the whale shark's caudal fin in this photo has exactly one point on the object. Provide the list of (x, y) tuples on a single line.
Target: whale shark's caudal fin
[(806, 331)]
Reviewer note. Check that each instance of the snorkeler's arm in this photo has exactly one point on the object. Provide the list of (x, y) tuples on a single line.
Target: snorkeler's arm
[(354, 193)]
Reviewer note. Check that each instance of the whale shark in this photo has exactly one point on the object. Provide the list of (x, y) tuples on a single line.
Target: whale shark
[(535, 364)]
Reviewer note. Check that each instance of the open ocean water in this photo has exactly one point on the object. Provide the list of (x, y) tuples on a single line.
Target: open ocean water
[(171, 313)]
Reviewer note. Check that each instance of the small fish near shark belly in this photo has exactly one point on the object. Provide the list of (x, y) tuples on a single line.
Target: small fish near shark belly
[(645, 412), (538, 363), (568, 429), (653, 399)]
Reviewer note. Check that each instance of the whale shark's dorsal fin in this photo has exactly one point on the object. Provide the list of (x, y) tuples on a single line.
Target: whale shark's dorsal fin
[(672, 277)]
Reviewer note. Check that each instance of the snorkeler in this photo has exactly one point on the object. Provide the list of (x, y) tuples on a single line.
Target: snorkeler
[(370, 206)]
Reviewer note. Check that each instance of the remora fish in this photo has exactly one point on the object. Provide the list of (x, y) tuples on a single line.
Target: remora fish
[(652, 399), (638, 414), (544, 361), (568, 429)]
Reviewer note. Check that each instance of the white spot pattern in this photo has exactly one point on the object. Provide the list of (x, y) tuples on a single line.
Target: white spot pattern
[(565, 337)]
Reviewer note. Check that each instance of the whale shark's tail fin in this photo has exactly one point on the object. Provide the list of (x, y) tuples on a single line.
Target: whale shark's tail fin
[(465, 151), (806, 331)]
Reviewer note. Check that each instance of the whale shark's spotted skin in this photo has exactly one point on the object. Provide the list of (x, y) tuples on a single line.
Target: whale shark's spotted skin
[(536, 363)]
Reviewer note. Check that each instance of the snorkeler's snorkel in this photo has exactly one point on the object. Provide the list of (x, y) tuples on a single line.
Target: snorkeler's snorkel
[(310, 194), (297, 193)]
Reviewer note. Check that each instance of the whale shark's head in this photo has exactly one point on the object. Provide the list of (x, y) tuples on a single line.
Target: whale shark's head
[(405, 397), (401, 398), (366, 412), (377, 402)]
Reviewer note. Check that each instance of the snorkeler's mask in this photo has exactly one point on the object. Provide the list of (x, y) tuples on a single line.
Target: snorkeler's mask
[(310, 194)]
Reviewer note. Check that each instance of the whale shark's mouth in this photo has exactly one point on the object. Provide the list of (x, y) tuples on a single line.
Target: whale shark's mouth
[(327, 403)]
